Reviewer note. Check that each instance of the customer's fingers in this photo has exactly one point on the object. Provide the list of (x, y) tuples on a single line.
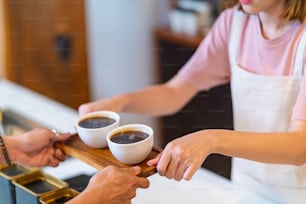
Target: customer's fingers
[(141, 182), (134, 170), (53, 161), (59, 155), (63, 136), (55, 136)]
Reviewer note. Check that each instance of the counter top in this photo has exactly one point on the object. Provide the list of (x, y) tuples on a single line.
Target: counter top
[(36, 107), (205, 186)]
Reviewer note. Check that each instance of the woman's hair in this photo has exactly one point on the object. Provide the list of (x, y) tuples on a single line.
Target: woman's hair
[(296, 9)]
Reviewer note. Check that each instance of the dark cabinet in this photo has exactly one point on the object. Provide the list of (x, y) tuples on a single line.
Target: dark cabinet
[(209, 109)]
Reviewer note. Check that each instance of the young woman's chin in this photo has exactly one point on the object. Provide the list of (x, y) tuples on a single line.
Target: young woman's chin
[(248, 6), (249, 9)]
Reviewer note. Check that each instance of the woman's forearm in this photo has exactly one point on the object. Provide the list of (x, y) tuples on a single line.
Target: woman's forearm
[(158, 100), (277, 148), (153, 102), (161, 99)]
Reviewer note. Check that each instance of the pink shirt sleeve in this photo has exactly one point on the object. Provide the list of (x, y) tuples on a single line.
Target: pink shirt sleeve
[(209, 66)]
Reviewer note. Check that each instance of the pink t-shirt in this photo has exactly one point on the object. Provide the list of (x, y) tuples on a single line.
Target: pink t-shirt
[(210, 65)]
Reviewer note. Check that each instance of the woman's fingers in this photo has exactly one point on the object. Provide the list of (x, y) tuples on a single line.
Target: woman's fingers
[(154, 162)]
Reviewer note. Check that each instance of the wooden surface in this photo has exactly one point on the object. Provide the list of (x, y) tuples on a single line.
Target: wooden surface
[(178, 39), (101, 157), (38, 59)]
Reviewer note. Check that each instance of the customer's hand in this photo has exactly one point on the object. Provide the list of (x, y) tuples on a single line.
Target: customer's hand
[(35, 148), (112, 185)]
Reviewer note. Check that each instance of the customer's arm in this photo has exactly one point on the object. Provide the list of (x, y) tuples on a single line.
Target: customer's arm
[(112, 185), (34, 148)]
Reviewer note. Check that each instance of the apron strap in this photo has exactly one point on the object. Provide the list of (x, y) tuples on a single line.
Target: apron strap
[(235, 34), (299, 58)]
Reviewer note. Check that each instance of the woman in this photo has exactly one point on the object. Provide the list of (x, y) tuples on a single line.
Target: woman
[(258, 46), (35, 148)]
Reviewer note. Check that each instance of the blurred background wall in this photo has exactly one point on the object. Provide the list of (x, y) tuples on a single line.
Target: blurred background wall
[(121, 48)]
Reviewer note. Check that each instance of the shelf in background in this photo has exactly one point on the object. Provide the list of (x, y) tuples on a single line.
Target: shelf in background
[(166, 34)]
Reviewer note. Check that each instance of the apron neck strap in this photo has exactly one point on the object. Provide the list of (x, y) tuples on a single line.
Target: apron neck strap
[(235, 35), (299, 57)]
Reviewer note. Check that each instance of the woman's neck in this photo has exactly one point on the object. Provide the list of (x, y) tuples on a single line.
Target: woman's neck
[(272, 23)]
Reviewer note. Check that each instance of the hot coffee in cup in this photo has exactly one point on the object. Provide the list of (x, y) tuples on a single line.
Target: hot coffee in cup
[(128, 137), (132, 143), (93, 127), (96, 122)]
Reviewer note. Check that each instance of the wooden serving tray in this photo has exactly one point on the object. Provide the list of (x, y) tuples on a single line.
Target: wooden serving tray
[(101, 157)]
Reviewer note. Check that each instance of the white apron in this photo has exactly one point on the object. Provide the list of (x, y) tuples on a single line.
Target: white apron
[(264, 104)]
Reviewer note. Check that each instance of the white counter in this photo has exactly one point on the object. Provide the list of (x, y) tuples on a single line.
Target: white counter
[(36, 107), (205, 187)]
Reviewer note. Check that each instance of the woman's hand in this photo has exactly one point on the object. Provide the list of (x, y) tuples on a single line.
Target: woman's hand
[(182, 157), (35, 148), (112, 185), (115, 104)]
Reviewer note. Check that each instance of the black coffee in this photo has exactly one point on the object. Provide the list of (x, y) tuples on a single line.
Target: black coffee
[(96, 122), (14, 170), (40, 186), (62, 200), (128, 137)]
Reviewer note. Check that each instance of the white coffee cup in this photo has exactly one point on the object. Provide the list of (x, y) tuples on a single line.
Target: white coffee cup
[(96, 136), (134, 152)]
